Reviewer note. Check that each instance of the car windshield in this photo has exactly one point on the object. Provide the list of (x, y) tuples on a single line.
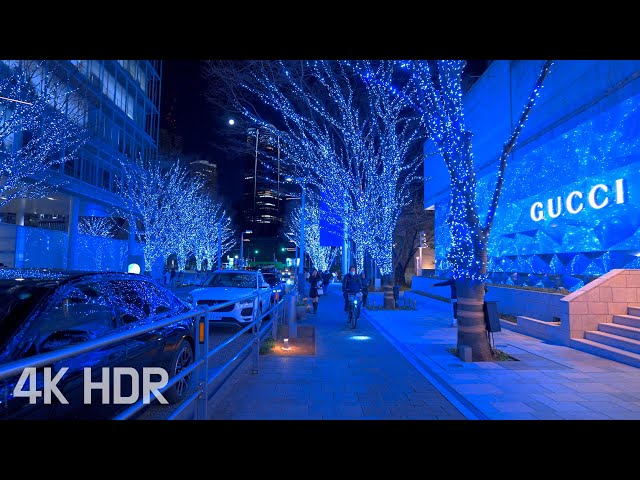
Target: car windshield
[(17, 301), (271, 279), (238, 280)]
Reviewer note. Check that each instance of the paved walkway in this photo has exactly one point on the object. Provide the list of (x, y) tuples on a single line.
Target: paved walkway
[(547, 382), (403, 370), (354, 375)]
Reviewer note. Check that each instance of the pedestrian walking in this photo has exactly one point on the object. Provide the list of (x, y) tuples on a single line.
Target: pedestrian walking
[(454, 298), (315, 282), (172, 278), (365, 288), (167, 276), (326, 279)]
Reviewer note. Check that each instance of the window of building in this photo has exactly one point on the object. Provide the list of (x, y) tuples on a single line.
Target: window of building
[(68, 167), (89, 171)]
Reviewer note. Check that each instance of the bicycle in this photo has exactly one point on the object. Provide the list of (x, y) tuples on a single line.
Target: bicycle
[(355, 305)]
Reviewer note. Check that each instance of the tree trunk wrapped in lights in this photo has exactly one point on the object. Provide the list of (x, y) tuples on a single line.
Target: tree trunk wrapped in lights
[(321, 257), (439, 98), (96, 227), (211, 226)]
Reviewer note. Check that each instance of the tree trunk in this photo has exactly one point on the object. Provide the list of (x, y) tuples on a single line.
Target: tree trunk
[(472, 331), (387, 287)]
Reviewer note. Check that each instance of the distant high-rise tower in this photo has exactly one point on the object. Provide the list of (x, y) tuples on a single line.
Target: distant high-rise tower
[(169, 141), (262, 208), (206, 171)]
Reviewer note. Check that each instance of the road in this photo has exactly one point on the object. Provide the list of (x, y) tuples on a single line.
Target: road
[(217, 335)]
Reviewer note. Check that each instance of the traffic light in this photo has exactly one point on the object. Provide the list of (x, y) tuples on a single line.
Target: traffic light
[(283, 249), (256, 251), (423, 239)]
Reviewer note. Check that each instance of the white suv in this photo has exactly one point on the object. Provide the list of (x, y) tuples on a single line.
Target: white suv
[(225, 285)]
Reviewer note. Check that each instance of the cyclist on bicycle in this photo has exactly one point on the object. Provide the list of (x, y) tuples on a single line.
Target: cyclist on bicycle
[(350, 285)]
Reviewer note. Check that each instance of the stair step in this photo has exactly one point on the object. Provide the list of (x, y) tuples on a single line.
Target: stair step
[(629, 320), (616, 341), (605, 351), (634, 310), (621, 330)]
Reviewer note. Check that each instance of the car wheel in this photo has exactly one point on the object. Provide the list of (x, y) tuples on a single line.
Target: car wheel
[(181, 360)]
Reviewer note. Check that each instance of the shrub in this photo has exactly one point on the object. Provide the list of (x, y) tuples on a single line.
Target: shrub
[(267, 345)]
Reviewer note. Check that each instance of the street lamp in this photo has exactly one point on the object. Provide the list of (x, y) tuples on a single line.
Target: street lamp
[(242, 246)]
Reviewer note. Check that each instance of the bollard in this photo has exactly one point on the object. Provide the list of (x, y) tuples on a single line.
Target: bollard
[(202, 372)]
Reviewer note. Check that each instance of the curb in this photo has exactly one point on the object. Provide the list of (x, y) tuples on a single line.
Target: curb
[(462, 404)]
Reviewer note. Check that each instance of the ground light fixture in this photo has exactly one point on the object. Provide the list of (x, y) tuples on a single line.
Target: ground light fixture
[(286, 344), (360, 337), (133, 268)]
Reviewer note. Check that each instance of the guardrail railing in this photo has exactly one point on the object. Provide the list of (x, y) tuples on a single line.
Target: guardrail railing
[(201, 395)]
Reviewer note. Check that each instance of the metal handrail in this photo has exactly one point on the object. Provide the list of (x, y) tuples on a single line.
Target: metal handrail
[(133, 409), (16, 367)]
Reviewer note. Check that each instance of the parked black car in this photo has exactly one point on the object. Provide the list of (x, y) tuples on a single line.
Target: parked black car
[(41, 315), (278, 286)]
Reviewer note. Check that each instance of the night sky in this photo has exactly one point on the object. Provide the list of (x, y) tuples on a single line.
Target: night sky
[(184, 89), (196, 120)]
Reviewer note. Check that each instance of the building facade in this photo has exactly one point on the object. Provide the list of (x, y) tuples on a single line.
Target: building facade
[(569, 209), (120, 103)]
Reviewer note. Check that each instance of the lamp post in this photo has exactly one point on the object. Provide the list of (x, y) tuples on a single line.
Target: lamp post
[(301, 278), (242, 247), (255, 176)]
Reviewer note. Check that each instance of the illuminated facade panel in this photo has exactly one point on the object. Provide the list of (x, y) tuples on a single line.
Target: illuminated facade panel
[(569, 209)]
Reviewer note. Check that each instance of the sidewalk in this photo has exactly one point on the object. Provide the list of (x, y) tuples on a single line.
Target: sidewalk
[(547, 382), (402, 369), (354, 375)]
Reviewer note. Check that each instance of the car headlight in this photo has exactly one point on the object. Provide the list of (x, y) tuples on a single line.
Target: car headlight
[(245, 304)]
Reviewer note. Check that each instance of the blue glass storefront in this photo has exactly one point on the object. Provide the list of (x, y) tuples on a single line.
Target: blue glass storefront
[(570, 205)]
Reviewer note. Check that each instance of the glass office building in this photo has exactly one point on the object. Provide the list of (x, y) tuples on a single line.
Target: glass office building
[(569, 210), (118, 101)]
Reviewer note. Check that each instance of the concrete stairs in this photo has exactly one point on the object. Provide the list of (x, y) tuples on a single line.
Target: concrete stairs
[(618, 340)]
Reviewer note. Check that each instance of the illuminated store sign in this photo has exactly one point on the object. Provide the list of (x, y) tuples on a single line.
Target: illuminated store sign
[(598, 197)]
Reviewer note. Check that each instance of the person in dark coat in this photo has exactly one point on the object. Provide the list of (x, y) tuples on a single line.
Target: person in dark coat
[(454, 298), (364, 281), (326, 279), (315, 282)]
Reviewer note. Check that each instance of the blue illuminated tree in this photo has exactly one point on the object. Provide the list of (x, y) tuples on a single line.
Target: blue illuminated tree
[(42, 124), (212, 223), (439, 99), (322, 257), (347, 135), (149, 193), (188, 206), (177, 216)]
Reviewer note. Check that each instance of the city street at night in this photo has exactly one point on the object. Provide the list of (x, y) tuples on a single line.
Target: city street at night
[(320, 240)]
